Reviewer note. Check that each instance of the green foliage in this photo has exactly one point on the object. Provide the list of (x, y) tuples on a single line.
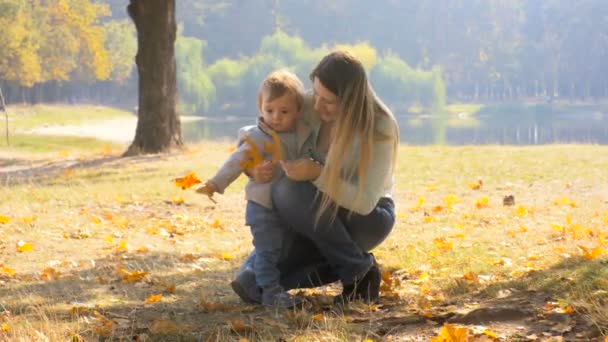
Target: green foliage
[(195, 88), (121, 43)]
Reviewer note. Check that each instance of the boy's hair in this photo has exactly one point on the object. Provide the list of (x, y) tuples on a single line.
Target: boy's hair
[(277, 84)]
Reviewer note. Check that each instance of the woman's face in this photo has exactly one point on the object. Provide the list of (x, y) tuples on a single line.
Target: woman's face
[(326, 102)]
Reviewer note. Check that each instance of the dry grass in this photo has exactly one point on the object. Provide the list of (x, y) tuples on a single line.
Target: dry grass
[(89, 226)]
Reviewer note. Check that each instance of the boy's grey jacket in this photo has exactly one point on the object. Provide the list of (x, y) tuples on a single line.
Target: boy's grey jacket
[(231, 169)]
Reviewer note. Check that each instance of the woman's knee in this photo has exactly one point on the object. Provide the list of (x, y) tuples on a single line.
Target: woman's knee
[(287, 193)]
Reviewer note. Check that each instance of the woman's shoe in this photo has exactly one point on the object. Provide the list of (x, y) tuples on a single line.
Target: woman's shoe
[(366, 289), (245, 287)]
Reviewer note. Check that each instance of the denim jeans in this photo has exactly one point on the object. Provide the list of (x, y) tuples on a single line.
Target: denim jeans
[(317, 255), (267, 230)]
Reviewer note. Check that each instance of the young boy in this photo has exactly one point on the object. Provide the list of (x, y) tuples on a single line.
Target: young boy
[(280, 99)]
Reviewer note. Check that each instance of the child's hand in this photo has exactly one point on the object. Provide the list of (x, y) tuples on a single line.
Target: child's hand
[(263, 173), (208, 188), (302, 169)]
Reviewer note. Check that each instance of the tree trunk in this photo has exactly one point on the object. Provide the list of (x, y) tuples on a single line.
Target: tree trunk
[(158, 126)]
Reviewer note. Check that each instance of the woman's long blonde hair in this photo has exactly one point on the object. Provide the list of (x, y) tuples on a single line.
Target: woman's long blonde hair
[(358, 110)]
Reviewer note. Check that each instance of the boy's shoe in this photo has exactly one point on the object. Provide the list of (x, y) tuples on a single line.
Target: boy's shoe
[(366, 289), (245, 287), (276, 296)]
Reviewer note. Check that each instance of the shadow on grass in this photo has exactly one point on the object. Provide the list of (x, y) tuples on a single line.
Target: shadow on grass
[(575, 280), (196, 297), (21, 173)]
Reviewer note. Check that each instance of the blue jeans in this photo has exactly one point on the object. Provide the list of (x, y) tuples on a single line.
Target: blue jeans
[(314, 256), (267, 230)]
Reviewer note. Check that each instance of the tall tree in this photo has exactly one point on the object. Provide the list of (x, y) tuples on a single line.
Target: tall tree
[(158, 126)]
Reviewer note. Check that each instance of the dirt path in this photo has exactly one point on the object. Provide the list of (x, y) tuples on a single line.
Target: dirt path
[(120, 130)]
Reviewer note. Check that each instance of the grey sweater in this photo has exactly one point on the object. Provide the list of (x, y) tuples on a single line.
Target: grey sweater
[(231, 169)]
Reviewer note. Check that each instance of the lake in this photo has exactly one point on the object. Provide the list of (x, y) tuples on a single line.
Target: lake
[(480, 129)]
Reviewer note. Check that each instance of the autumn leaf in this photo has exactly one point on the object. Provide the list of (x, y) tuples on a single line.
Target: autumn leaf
[(565, 201), (187, 181), (482, 202), (452, 333), (5, 327), (131, 277), (419, 205), (443, 244), (253, 156), (23, 246), (318, 317), (274, 148), (28, 219), (240, 327), (476, 185), (154, 298), (591, 254), (7, 270), (521, 211), (4, 219)]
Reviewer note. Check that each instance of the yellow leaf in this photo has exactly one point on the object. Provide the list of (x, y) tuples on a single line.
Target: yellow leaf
[(471, 276), (523, 229), (274, 148), (490, 333), (96, 220), (226, 256), (154, 298), (452, 333), (131, 277), (69, 172), (482, 202), (475, 186), (122, 247), (419, 205), (143, 249), (443, 244), (177, 200), (7, 270), (24, 247), (187, 181), (429, 219), (591, 254), (318, 317), (4, 219), (109, 238), (216, 223), (521, 211), (253, 156), (5, 327), (28, 219)]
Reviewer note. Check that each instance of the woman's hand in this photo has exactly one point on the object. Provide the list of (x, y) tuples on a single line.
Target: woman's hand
[(302, 169), (263, 173)]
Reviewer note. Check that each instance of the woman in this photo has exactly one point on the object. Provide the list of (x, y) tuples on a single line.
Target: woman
[(337, 203)]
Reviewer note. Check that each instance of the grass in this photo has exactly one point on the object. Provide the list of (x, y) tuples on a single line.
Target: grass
[(25, 117), (90, 226)]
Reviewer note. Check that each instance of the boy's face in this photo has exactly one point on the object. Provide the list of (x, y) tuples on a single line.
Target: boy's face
[(281, 113)]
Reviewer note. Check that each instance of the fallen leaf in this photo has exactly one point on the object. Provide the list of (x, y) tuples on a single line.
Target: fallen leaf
[(154, 298), (475, 186), (4, 219), (240, 327), (23, 246), (452, 333), (187, 181)]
